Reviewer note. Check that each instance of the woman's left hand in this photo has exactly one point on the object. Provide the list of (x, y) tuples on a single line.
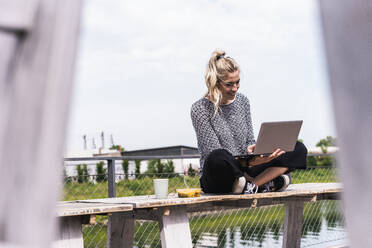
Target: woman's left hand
[(261, 159)]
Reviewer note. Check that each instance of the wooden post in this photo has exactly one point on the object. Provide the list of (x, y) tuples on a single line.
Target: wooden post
[(38, 41), (293, 224), (175, 228), (70, 233), (348, 42), (114, 235), (120, 231), (111, 178)]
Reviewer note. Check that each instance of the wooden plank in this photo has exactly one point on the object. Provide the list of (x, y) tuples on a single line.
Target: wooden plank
[(293, 224), (120, 231), (149, 201), (78, 208), (175, 228), (17, 15), (70, 233)]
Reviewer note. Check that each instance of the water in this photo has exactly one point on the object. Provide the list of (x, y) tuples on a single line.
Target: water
[(323, 226), (233, 239)]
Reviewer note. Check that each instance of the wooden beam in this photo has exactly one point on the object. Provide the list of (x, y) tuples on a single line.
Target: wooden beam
[(70, 233), (76, 208), (120, 231), (293, 224), (175, 228), (17, 15), (111, 178)]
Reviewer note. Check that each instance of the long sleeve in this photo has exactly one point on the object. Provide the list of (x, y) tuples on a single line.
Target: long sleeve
[(230, 129), (206, 136), (250, 136)]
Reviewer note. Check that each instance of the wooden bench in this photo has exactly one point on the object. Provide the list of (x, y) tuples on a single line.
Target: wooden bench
[(171, 213), (73, 214)]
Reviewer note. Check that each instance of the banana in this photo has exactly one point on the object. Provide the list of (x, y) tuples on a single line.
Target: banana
[(188, 192)]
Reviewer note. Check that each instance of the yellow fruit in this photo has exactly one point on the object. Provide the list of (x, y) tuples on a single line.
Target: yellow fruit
[(188, 192)]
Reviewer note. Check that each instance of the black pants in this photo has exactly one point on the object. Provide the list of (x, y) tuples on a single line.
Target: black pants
[(220, 169)]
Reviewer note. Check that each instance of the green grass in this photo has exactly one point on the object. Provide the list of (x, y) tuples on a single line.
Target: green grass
[(144, 185), (314, 175)]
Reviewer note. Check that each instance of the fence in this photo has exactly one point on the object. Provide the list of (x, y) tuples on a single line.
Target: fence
[(323, 222)]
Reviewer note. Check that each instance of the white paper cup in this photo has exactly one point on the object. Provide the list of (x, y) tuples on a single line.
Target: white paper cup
[(161, 188)]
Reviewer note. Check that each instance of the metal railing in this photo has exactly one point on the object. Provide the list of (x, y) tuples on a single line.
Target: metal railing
[(110, 162)]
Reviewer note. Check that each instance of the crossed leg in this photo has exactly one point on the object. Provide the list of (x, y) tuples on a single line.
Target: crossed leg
[(265, 176)]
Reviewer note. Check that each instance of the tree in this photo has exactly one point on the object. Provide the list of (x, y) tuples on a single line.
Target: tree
[(169, 168), (162, 169), (82, 171), (324, 143), (191, 172), (125, 166), (117, 147), (137, 170), (101, 172)]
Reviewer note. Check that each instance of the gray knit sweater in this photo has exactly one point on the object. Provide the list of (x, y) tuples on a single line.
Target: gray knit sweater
[(230, 129)]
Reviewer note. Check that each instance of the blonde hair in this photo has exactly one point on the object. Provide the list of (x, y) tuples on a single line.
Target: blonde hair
[(217, 70)]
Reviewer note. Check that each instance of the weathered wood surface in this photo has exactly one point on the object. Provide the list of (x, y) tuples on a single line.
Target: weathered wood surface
[(38, 41), (18, 15), (175, 229), (295, 190), (293, 224), (120, 231), (70, 234), (347, 30), (79, 208)]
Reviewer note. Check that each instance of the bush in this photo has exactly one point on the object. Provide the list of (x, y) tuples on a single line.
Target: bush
[(325, 161), (125, 166), (190, 171), (137, 170), (169, 167), (82, 172), (311, 161), (101, 172), (324, 144), (163, 169), (66, 178)]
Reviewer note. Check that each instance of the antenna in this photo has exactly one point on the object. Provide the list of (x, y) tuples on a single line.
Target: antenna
[(85, 141), (103, 140), (112, 140)]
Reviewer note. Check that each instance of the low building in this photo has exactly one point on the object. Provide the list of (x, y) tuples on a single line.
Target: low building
[(174, 153)]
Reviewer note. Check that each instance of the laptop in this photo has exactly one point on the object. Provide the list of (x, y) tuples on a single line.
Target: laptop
[(273, 135)]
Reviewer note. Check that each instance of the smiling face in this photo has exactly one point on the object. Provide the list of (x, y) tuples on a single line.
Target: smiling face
[(229, 87)]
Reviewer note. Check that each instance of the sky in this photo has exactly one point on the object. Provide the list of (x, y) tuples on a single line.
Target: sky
[(140, 66)]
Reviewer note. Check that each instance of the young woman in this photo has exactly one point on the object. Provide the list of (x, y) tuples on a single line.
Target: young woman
[(223, 126)]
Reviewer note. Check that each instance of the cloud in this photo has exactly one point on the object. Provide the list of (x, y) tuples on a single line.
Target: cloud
[(141, 65)]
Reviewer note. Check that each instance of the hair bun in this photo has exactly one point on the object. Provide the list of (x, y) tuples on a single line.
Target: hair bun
[(218, 54)]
